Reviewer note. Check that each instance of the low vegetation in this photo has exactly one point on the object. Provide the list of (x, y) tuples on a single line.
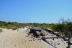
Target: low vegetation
[(0, 30), (14, 28), (63, 26)]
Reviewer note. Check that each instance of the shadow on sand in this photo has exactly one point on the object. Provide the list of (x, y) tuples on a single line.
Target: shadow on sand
[(48, 43)]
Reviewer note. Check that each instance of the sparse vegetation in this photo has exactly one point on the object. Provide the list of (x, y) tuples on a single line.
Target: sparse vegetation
[(61, 27), (0, 30), (14, 28)]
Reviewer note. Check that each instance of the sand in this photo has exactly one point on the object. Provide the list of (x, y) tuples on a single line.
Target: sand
[(18, 39)]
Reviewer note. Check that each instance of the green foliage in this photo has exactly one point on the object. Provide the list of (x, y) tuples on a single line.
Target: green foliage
[(58, 27), (62, 27)]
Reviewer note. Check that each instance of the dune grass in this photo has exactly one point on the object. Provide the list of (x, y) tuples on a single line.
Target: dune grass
[(14, 28), (0, 30)]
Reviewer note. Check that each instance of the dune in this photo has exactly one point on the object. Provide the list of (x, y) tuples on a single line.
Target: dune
[(18, 39)]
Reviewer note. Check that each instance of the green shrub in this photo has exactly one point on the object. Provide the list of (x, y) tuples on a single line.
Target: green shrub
[(59, 27), (63, 27)]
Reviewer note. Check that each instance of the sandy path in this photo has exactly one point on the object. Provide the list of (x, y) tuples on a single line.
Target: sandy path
[(14, 39)]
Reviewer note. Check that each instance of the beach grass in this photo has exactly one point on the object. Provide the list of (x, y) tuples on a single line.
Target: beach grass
[(0, 30)]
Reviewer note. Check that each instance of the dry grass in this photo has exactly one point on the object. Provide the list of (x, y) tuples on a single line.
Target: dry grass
[(0, 30)]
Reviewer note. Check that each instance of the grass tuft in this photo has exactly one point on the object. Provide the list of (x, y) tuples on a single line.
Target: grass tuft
[(0, 30), (14, 28)]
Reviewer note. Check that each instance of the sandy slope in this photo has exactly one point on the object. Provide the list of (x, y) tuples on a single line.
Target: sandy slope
[(18, 39)]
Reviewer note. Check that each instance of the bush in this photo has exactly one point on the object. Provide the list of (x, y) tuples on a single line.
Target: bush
[(59, 27), (14, 28), (64, 27), (0, 30)]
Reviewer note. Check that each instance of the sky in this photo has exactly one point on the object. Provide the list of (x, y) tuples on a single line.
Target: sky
[(39, 11)]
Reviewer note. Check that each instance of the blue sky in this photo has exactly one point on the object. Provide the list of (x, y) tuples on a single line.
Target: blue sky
[(41, 11)]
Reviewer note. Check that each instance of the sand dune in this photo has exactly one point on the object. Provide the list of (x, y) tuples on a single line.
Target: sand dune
[(18, 39)]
